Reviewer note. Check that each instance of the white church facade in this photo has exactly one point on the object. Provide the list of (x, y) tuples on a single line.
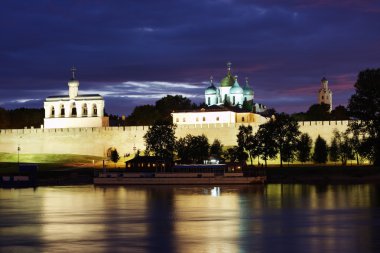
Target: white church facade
[(74, 110), (227, 104)]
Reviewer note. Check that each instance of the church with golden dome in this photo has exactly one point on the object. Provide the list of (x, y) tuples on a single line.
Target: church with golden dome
[(231, 93)]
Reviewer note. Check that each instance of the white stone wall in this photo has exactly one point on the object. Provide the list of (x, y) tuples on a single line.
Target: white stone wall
[(207, 117), (76, 122), (96, 141)]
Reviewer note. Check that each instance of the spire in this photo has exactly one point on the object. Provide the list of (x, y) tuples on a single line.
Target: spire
[(73, 70), (246, 82), (229, 67), (211, 80)]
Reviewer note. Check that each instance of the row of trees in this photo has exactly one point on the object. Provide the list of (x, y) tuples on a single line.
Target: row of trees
[(322, 112), (149, 114), (160, 141), (21, 117), (279, 137)]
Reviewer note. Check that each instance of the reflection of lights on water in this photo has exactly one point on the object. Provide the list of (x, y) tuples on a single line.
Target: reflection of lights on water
[(215, 192)]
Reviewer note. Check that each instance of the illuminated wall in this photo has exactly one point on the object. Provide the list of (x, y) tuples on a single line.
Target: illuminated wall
[(96, 141)]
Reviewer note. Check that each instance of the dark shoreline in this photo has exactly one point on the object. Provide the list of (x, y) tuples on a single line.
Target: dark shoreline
[(275, 175)]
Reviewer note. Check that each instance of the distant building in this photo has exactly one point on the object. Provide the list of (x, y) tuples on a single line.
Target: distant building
[(216, 115), (152, 163), (230, 92), (325, 94), (74, 110)]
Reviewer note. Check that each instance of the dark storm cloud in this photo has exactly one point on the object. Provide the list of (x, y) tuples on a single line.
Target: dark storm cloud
[(284, 48)]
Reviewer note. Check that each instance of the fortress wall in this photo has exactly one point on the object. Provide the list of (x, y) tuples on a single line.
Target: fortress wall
[(96, 141), (323, 128), (84, 141)]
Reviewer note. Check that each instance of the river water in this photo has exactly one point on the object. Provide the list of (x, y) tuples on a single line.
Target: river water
[(270, 218)]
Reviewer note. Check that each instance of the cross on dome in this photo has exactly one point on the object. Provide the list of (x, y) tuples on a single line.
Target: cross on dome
[(229, 66), (73, 70)]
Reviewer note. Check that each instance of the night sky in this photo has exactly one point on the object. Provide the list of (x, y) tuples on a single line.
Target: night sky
[(135, 52)]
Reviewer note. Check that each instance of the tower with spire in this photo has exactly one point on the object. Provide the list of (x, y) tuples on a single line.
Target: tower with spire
[(325, 94)]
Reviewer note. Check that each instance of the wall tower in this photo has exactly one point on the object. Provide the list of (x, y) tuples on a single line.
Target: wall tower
[(325, 94)]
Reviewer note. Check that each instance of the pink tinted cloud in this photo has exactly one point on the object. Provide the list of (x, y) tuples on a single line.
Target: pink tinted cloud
[(338, 84)]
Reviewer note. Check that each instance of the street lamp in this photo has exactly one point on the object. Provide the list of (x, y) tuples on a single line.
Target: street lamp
[(18, 155)]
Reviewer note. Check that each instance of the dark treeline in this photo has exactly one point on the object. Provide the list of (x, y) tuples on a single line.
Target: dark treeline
[(147, 115), (321, 112), (161, 111), (21, 117)]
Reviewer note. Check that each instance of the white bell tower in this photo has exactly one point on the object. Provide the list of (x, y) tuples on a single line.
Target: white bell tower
[(325, 94)]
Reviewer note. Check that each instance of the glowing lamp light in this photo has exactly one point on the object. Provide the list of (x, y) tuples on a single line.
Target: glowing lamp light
[(215, 192)]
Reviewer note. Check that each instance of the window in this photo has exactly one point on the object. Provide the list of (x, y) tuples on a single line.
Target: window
[(204, 118), (217, 118), (62, 111), (197, 119), (233, 100), (52, 112), (95, 110), (242, 119), (73, 110), (322, 97), (85, 110), (184, 120), (177, 120), (208, 100)]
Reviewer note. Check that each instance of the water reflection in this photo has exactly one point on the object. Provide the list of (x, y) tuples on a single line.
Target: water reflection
[(272, 218)]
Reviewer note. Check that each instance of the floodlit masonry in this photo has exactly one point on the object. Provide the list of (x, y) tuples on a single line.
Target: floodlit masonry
[(96, 141), (74, 110)]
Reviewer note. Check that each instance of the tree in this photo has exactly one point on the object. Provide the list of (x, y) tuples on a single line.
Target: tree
[(253, 148), (192, 149), (266, 144), (160, 140), (334, 150), (181, 147), (216, 149), (318, 112), (320, 150), (166, 105), (235, 153), (285, 134), (114, 156), (304, 147), (244, 137), (339, 113), (21, 117), (365, 105), (357, 141), (144, 115), (199, 148), (231, 154), (345, 149), (248, 105)]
